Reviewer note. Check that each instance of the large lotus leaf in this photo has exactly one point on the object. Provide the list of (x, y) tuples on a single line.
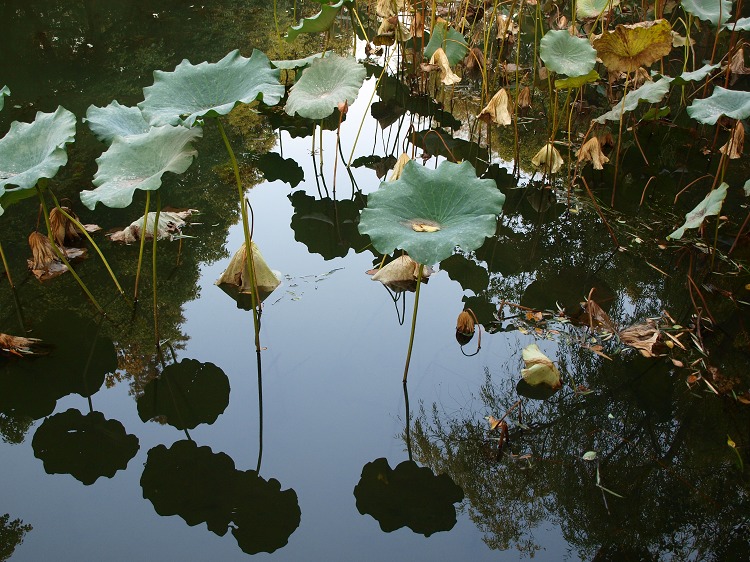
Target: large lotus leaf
[(4, 91), (210, 89), (407, 496), (565, 54), (650, 92), (451, 41), (36, 150), (139, 162), (187, 393), (717, 12), (710, 206), (629, 47), (325, 84), (732, 103), (322, 21), (592, 8), (86, 447), (115, 120), (429, 212)]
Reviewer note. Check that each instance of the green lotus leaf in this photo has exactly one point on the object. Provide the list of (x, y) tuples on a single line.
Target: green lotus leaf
[(115, 120), (298, 63), (429, 212), (650, 92), (565, 54), (210, 89), (592, 8), (696, 75), (717, 12), (139, 162), (322, 21), (710, 206), (732, 103), (629, 47), (4, 91), (577, 81), (742, 24), (325, 84), (451, 41)]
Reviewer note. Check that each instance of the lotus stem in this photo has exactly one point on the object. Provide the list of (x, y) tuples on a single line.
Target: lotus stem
[(83, 231), (260, 411), (619, 140), (19, 312), (153, 269), (143, 243), (408, 421), (413, 322), (61, 255), (5, 265)]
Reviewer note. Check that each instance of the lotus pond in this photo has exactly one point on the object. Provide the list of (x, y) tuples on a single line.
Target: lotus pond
[(496, 303)]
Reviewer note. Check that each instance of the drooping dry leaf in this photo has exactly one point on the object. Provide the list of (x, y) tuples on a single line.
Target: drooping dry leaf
[(736, 143), (524, 98), (401, 274), (631, 46), (737, 65), (548, 159), (642, 337), (170, 227), (399, 167), (447, 76), (494, 422), (680, 41), (417, 24), (591, 151), (506, 27), (498, 109), (16, 345), (594, 315), (63, 229), (42, 254), (465, 323), (539, 368), (236, 272), (474, 63)]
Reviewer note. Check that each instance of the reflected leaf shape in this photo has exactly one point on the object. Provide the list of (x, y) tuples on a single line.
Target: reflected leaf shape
[(86, 447), (328, 227), (439, 142), (386, 113), (325, 84), (36, 150), (732, 103), (210, 89), (710, 206), (275, 167), (451, 41), (380, 164), (469, 274), (4, 91), (322, 21), (187, 393), (407, 496), (115, 120), (629, 47), (139, 162), (565, 54), (650, 92), (566, 287), (451, 197), (538, 392), (717, 12)]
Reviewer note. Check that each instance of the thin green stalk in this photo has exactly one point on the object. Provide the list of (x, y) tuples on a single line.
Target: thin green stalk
[(5, 265), (19, 312), (61, 255), (81, 228), (413, 322), (153, 268), (619, 139), (143, 243)]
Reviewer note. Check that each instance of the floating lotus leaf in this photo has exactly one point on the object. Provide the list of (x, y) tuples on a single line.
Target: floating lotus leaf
[(115, 120), (650, 92), (710, 206), (86, 447), (407, 496), (451, 41), (210, 89), (577, 81), (629, 47), (322, 21), (187, 393), (429, 212), (275, 167), (592, 8), (696, 75), (139, 162), (36, 150), (4, 91), (717, 12), (732, 103), (565, 54), (324, 85)]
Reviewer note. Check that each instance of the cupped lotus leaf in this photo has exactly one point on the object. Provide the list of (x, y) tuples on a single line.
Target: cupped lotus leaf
[(732, 103), (139, 162), (629, 47), (115, 120), (565, 54), (548, 159), (593, 8), (650, 92), (696, 75), (324, 85), (497, 109), (462, 207), (575, 82), (451, 41), (717, 12), (539, 368), (36, 150), (322, 21), (210, 89), (4, 91), (711, 205)]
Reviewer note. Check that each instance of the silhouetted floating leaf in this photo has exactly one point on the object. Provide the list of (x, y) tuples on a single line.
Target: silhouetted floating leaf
[(275, 167)]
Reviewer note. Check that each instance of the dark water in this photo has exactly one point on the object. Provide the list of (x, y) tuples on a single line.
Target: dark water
[(303, 460)]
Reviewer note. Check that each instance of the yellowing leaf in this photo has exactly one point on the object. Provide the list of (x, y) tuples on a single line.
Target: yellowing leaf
[(548, 158), (591, 151), (539, 368), (629, 47), (497, 110), (447, 76), (423, 227)]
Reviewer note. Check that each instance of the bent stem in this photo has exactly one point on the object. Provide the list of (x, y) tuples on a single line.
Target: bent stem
[(60, 255), (143, 243), (413, 322)]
